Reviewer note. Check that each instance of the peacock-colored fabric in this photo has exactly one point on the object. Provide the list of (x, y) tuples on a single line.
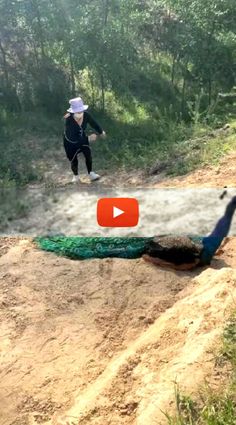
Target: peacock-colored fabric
[(83, 248), (175, 249), (168, 247)]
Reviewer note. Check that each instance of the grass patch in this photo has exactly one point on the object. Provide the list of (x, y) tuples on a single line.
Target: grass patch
[(137, 137), (12, 204), (212, 407), (27, 140), (203, 151)]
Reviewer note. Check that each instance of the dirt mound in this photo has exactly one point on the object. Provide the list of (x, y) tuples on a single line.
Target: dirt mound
[(102, 341), (219, 176)]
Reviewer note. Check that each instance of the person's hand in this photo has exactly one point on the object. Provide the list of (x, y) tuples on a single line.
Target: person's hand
[(92, 137), (103, 135)]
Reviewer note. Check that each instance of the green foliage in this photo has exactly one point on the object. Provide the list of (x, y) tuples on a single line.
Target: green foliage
[(151, 70), (219, 410), (229, 348), (137, 138), (187, 412), (46, 45), (26, 142), (12, 204), (200, 151)]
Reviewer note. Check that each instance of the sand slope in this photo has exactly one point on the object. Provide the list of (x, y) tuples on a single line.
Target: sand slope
[(102, 341)]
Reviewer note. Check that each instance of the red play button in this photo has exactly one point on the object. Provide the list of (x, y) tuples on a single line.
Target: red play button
[(117, 212)]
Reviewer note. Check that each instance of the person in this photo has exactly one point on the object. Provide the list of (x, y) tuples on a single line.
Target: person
[(75, 139)]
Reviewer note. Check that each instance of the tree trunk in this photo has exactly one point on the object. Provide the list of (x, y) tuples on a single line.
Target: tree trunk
[(185, 72), (93, 88), (40, 28), (103, 92), (5, 66), (105, 19), (106, 12), (209, 90), (35, 53), (183, 95), (173, 72), (209, 46), (72, 75)]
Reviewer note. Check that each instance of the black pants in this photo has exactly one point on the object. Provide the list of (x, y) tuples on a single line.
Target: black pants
[(72, 151)]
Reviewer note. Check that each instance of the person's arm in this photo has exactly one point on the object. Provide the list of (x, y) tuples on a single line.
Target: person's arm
[(94, 124)]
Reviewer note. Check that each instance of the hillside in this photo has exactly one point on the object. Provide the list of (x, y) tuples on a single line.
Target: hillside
[(211, 176), (103, 341)]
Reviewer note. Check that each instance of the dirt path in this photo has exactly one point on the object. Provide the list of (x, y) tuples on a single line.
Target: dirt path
[(185, 204), (73, 211), (102, 341), (218, 176)]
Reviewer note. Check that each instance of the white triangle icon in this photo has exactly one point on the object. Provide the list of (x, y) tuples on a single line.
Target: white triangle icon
[(117, 212)]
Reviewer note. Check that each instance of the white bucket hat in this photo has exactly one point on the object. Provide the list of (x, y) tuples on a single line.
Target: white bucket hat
[(77, 105)]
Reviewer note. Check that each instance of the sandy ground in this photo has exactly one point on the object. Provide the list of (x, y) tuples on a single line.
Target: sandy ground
[(103, 341), (74, 212), (185, 204)]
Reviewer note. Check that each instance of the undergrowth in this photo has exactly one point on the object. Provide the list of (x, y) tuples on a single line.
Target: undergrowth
[(137, 137), (13, 204)]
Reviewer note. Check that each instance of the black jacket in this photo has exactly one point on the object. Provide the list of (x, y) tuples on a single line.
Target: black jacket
[(76, 133)]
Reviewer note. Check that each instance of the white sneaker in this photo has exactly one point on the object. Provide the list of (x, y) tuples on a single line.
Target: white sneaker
[(93, 176), (75, 179)]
